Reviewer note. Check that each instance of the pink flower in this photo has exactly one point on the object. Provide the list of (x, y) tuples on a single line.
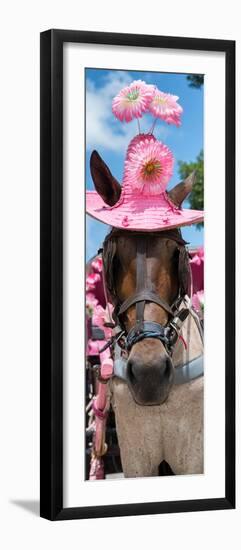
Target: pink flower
[(198, 301), (91, 281), (97, 264), (165, 106), (132, 101), (149, 164)]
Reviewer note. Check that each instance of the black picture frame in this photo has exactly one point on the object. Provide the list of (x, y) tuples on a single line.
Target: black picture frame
[(51, 323)]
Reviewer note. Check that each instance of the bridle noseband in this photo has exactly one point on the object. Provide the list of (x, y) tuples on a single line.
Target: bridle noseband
[(167, 334)]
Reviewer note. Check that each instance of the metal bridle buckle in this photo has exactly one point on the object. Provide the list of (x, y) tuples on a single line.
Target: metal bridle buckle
[(173, 333), (175, 326)]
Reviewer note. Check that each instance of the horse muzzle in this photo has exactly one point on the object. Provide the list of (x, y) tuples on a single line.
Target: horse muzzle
[(149, 375)]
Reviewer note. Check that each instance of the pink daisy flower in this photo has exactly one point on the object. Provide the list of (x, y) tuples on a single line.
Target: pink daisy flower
[(165, 106), (132, 101), (97, 264), (91, 281), (149, 165)]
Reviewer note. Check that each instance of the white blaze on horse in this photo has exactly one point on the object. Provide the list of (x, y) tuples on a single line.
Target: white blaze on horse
[(157, 387)]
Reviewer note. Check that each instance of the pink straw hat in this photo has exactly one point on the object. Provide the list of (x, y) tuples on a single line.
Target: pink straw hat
[(142, 203)]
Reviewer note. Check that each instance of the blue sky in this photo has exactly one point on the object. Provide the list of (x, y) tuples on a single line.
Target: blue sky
[(110, 137)]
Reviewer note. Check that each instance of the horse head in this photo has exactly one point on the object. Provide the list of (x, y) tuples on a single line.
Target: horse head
[(145, 275)]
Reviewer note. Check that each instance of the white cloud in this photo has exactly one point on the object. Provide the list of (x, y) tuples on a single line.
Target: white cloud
[(102, 128)]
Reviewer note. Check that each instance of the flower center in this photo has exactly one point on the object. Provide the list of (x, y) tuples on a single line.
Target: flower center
[(152, 168), (133, 95), (161, 100)]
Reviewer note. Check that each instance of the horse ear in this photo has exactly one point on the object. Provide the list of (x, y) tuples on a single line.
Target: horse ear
[(105, 184), (180, 192)]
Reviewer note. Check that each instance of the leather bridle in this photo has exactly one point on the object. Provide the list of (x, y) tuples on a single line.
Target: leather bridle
[(167, 334)]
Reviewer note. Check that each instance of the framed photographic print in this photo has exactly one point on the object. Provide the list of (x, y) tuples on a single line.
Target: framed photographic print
[(137, 274)]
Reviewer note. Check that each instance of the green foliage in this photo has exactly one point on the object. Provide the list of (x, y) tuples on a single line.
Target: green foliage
[(196, 198), (195, 80)]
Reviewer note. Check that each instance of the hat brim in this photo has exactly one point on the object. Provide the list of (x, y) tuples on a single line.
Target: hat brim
[(147, 214)]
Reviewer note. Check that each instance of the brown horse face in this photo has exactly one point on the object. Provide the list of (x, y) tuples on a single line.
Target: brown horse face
[(149, 368)]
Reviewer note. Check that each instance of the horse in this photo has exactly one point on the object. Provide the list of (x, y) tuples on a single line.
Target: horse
[(147, 276)]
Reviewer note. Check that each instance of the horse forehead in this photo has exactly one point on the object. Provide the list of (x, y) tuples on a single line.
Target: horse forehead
[(157, 248), (154, 245)]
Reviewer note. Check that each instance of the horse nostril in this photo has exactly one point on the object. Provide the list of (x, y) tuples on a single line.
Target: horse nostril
[(168, 369), (135, 370), (130, 371), (159, 370)]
